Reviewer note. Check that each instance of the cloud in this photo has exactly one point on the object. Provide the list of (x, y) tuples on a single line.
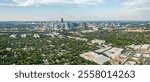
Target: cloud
[(139, 7), (135, 9), (120, 9), (137, 4), (52, 2)]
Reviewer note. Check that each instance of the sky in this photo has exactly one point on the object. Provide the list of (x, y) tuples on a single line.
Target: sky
[(74, 10)]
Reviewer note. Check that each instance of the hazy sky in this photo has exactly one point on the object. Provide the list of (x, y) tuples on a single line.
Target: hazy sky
[(74, 10)]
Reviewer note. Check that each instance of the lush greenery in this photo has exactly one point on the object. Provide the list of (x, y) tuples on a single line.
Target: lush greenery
[(31, 50), (61, 50), (121, 39)]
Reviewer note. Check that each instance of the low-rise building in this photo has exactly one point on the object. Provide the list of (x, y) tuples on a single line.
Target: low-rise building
[(130, 63), (99, 59), (146, 55), (13, 36), (36, 36), (145, 47), (103, 49), (135, 47), (23, 35), (8, 49), (135, 58), (99, 42), (137, 55), (114, 52), (140, 47), (77, 38)]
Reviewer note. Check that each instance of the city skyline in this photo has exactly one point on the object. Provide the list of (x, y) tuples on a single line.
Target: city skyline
[(49, 10)]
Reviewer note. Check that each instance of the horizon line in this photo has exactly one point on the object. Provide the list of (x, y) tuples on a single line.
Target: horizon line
[(66, 20)]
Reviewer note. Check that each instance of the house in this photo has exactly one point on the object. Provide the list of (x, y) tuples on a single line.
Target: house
[(13, 36), (23, 35), (36, 36)]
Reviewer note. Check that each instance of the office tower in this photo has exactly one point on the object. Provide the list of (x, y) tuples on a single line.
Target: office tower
[(66, 26), (84, 25), (62, 20)]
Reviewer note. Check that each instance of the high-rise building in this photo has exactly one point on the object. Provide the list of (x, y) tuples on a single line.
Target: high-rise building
[(62, 20), (84, 26), (66, 26)]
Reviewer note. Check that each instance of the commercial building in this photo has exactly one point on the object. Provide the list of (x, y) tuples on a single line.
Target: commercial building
[(98, 58), (114, 52)]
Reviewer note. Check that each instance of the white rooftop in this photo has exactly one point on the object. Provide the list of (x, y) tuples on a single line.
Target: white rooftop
[(114, 52), (137, 55), (145, 46), (102, 49), (100, 59)]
